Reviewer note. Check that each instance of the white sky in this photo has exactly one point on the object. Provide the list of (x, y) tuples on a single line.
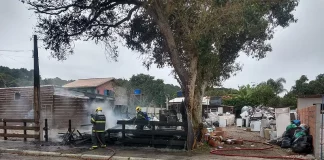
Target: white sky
[(297, 50)]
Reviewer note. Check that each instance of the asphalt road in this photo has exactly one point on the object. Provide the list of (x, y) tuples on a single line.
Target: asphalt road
[(4, 156)]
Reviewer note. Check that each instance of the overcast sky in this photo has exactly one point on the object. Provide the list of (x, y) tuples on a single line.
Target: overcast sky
[(297, 50)]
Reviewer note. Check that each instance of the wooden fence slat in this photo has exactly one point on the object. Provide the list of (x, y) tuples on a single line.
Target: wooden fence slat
[(18, 127), (19, 135), (17, 120)]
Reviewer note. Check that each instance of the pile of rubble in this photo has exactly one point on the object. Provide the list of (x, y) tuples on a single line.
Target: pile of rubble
[(216, 138), (278, 126)]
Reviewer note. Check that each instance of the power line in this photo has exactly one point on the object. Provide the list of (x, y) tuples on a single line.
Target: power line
[(7, 50), (16, 56)]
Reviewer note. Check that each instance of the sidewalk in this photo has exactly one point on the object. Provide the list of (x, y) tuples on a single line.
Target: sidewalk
[(122, 153)]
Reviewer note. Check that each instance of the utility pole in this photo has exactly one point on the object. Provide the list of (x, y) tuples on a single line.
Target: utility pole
[(36, 88)]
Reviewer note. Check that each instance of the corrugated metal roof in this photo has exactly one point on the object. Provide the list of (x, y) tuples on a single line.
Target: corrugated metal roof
[(92, 82), (28, 87)]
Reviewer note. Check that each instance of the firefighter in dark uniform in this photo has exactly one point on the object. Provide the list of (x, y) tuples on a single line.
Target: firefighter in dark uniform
[(98, 130), (139, 116)]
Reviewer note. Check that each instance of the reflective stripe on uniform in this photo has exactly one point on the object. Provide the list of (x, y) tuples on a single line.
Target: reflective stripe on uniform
[(100, 121), (94, 146), (98, 131), (92, 120)]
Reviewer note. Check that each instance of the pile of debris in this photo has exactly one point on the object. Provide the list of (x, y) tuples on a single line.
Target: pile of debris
[(296, 137), (216, 138)]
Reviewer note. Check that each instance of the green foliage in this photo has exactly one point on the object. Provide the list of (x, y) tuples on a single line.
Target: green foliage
[(154, 90), (211, 91), (15, 77), (264, 93), (23, 77), (277, 85), (55, 81), (305, 87)]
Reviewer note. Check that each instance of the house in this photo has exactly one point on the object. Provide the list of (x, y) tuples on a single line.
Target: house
[(309, 100), (58, 105), (101, 86)]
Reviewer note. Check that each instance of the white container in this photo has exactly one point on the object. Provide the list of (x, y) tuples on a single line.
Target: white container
[(256, 126), (222, 122), (262, 132), (239, 122), (282, 120), (273, 135)]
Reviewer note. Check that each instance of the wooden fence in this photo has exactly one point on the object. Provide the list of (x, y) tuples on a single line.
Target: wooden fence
[(153, 136), (24, 128)]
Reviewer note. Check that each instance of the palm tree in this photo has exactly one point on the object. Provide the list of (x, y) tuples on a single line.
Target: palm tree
[(277, 85)]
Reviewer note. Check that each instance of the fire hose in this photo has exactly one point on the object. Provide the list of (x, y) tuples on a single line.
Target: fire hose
[(114, 152), (219, 152)]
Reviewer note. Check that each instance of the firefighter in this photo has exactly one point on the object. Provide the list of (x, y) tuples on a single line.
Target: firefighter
[(98, 130), (139, 116)]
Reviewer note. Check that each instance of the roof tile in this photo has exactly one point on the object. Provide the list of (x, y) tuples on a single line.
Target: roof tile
[(92, 82)]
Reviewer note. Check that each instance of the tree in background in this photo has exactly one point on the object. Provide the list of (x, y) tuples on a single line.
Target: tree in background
[(154, 90), (303, 87), (55, 81), (277, 85), (211, 91), (200, 39)]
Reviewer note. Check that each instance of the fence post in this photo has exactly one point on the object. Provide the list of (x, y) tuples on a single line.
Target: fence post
[(5, 130), (123, 131), (25, 131), (70, 131), (46, 131)]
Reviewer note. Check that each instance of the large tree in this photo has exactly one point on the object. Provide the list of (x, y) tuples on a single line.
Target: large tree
[(200, 39)]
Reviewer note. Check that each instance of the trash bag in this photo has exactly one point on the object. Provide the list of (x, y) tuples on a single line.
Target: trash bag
[(286, 142), (290, 126), (302, 148), (302, 145), (216, 124), (299, 133), (291, 132), (296, 122)]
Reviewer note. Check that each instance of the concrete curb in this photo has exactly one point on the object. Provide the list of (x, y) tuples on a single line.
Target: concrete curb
[(82, 156)]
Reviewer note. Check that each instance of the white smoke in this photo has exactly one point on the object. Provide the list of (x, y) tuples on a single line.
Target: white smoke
[(108, 111)]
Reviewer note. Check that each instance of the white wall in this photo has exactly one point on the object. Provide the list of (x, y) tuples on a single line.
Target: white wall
[(306, 102)]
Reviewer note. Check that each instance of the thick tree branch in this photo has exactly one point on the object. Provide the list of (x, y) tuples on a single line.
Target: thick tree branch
[(157, 14)]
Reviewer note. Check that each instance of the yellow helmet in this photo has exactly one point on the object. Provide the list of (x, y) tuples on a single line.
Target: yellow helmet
[(138, 108), (98, 109)]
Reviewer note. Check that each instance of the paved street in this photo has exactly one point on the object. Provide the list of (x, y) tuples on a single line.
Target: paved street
[(4, 156)]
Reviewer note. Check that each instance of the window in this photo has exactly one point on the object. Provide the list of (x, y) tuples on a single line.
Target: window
[(17, 96)]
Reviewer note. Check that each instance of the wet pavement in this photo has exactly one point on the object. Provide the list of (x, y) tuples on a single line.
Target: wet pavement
[(9, 156), (142, 152)]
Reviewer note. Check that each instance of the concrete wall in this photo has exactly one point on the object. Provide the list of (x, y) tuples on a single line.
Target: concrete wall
[(306, 102), (318, 123)]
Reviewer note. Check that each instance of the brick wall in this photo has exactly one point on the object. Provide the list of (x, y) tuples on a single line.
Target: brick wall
[(308, 116)]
